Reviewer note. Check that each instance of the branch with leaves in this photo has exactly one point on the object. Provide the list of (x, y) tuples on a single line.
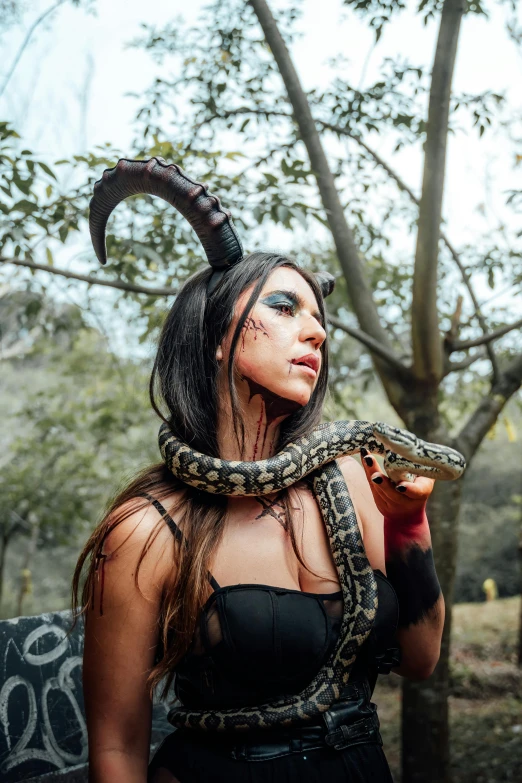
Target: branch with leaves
[(488, 410), (90, 279), (489, 337)]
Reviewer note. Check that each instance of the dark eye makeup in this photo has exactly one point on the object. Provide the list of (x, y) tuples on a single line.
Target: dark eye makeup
[(279, 300)]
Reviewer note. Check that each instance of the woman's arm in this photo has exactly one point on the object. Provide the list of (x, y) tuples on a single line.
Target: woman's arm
[(411, 570), (397, 541), (121, 634)]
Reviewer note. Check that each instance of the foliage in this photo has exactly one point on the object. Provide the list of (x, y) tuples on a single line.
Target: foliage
[(219, 83), (84, 415), (225, 95), (378, 13)]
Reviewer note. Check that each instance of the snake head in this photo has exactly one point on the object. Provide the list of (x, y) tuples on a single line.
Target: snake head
[(407, 454)]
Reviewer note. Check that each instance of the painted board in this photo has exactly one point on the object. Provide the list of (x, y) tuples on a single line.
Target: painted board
[(42, 720)]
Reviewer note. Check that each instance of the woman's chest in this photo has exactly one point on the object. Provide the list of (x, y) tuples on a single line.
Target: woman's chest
[(269, 541)]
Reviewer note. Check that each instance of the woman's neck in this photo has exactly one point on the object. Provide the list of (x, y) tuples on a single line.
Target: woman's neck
[(262, 413)]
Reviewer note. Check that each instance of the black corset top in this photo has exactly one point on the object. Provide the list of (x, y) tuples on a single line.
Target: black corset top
[(255, 643)]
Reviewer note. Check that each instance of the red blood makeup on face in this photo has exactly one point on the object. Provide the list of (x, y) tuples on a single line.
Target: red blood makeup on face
[(278, 355), (272, 407), (283, 326)]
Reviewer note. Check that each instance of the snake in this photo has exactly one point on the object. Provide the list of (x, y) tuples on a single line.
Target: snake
[(314, 455)]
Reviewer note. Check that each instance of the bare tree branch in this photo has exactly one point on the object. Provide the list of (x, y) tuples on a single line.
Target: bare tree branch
[(358, 287), (488, 410), (462, 269), (25, 42), (339, 130), (463, 345), (123, 286), (427, 346), (478, 310), (374, 346), (455, 324), (464, 364)]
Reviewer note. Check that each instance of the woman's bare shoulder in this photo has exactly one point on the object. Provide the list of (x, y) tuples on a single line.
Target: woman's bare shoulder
[(138, 535)]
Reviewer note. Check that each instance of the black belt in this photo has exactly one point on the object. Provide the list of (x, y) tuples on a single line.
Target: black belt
[(352, 721)]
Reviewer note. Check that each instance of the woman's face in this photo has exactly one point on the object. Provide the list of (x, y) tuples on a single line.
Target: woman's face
[(278, 353)]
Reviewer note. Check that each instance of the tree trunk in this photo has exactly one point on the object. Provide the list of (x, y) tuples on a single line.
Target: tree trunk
[(520, 621), (25, 573), (4, 541), (519, 657), (426, 342), (425, 732)]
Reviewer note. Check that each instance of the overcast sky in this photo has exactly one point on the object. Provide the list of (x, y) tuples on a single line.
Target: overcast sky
[(78, 54)]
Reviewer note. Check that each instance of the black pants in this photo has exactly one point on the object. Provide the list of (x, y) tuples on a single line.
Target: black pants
[(192, 757)]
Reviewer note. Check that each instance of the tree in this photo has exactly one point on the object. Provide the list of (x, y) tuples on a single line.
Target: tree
[(519, 652), (82, 422), (235, 87)]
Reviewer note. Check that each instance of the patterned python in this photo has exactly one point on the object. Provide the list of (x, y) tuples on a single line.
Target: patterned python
[(404, 454)]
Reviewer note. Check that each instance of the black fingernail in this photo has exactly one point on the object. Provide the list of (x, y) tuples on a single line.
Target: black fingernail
[(401, 489), (363, 452), (377, 480), (369, 461)]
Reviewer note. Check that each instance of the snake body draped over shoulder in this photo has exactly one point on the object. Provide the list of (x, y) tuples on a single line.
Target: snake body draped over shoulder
[(316, 453)]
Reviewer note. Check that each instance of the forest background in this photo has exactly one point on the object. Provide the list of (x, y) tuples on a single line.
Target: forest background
[(426, 334)]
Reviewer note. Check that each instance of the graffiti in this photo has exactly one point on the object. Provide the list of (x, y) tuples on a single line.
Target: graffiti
[(42, 719), (42, 723)]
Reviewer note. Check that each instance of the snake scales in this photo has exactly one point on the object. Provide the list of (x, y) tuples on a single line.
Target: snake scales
[(404, 454)]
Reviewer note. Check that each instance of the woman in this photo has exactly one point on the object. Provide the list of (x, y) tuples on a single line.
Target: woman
[(239, 597)]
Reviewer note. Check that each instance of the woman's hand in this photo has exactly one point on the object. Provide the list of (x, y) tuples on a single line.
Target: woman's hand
[(409, 567), (405, 500)]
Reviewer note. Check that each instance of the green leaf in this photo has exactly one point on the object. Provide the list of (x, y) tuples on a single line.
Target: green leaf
[(321, 220), (234, 155), (22, 184), (46, 168), (50, 259), (25, 206), (270, 178), (257, 212)]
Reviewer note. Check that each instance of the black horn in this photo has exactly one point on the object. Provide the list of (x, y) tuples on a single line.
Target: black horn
[(326, 283), (210, 221)]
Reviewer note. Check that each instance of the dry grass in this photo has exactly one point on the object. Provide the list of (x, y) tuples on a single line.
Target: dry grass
[(486, 705), (486, 631)]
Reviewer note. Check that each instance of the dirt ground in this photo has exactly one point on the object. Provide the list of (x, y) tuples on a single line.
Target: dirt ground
[(486, 705)]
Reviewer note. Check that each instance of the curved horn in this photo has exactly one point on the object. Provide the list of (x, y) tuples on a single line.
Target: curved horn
[(326, 283), (210, 221)]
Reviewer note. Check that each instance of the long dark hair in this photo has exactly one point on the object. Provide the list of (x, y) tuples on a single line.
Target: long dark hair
[(183, 391)]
